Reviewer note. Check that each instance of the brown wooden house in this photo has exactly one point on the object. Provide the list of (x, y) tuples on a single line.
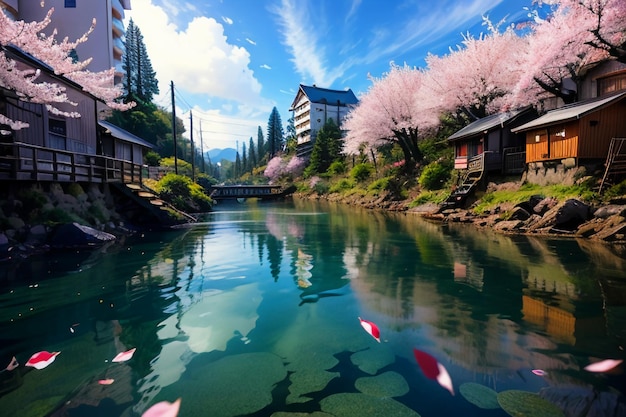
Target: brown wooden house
[(579, 132), (64, 149), (491, 139)]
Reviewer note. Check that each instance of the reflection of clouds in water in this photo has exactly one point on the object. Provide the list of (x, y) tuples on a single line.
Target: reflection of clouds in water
[(208, 325)]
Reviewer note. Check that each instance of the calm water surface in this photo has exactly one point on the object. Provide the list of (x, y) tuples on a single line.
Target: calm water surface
[(255, 312)]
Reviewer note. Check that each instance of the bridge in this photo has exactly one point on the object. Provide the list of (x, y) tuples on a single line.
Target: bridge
[(224, 192)]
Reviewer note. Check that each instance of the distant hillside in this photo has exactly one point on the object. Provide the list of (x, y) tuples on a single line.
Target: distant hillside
[(217, 155)]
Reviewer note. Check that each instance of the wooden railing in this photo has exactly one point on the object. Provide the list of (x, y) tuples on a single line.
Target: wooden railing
[(22, 161), (514, 160)]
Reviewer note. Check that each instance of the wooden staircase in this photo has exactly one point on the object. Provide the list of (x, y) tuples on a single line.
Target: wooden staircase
[(473, 176), (148, 199), (615, 162)]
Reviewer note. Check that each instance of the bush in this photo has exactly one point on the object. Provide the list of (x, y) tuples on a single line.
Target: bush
[(337, 168), (342, 185), (361, 172), (152, 159), (379, 185), (434, 176), (74, 189), (184, 194)]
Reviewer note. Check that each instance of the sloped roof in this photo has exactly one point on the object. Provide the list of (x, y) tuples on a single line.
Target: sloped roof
[(487, 123), (570, 112), (119, 133), (325, 95)]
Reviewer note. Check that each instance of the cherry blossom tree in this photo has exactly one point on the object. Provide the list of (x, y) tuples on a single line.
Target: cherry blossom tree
[(476, 77), (577, 34), (25, 82), (388, 113)]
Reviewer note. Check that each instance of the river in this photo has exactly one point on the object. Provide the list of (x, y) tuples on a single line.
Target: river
[(256, 311)]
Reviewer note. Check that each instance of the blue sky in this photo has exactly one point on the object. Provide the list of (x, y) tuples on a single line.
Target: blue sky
[(232, 61)]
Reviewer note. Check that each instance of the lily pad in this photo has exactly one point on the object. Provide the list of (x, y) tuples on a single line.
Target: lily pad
[(236, 385), (359, 405), (372, 360), (389, 384), (305, 381), (527, 404), (479, 395)]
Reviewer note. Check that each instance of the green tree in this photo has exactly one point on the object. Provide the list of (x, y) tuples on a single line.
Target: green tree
[(245, 165), (275, 133), (252, 155), (140, 82), (261, 148), (326, 150), (291, 138)]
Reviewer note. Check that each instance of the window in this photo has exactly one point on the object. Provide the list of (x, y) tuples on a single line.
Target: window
[(57, 133), (70, 4), (612, 84), (461, 150)]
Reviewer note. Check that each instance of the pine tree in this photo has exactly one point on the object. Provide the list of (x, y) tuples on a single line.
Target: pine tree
[(275, 133), (252, 155), (327, 148), (244, 159), (261, 148), (140, 79)]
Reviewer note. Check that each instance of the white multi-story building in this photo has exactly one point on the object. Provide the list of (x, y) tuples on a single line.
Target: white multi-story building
[(313, 106), (73, 18)]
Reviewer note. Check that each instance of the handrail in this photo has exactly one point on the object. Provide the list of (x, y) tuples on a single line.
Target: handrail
[(23, 161)]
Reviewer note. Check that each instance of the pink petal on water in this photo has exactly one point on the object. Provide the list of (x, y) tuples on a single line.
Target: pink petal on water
[(13, 364), (603, 366), (539, 372), (106, 381), (41, 359), (371, 328), (163, 409), (427, 363), (124, 356), (444, 378)]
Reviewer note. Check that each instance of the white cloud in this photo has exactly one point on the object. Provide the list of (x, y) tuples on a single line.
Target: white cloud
[(201, 62), (227, 20), (250, 41), (304, 45), (265, 66)]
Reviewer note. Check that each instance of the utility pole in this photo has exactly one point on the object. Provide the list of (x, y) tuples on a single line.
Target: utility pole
[(193, 152), (202, 148), (174, 129)]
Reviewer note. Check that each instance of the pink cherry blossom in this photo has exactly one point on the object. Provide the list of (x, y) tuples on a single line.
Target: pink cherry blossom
[(124, 356), (370, 328), (41, 360)]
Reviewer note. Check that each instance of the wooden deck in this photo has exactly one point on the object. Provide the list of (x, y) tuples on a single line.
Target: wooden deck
[(21, 161)]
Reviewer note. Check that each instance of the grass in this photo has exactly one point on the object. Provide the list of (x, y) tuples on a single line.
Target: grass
[(559, 192)]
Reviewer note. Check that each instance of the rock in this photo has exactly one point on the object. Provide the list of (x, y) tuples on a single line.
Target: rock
[(589, 228), (37, 235), (76, 235), (571, 215), (507, 225), (544, 205), (612, 233), (520, 213), (610, 210)]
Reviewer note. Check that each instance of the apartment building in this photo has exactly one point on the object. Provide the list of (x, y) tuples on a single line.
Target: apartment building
[(73, 18), (313, 106)]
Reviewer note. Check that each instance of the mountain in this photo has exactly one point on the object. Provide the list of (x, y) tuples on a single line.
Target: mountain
[(217, 155)]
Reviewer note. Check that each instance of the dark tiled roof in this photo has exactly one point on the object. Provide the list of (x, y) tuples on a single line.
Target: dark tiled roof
[(487, 123), (324, 95), (571, 112), (119, 133)]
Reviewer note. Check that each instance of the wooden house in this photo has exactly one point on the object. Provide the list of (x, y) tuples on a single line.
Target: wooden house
[(578, 132), (64, 149), (490, 144)]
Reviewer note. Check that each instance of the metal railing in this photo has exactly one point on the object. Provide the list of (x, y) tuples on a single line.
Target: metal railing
[(22, 161)]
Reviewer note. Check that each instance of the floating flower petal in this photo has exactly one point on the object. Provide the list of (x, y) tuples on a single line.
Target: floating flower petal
[(41, 359), (124, 356), (106, 381), (539, 372), (12, 365), (444, 378), (163, 409), (433, 369), (603, 366), (371, 328)]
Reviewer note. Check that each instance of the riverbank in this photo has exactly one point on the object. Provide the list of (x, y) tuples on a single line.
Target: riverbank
[(570, 218)]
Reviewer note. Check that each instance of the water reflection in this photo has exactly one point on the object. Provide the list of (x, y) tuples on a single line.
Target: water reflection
[(279, 287)]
